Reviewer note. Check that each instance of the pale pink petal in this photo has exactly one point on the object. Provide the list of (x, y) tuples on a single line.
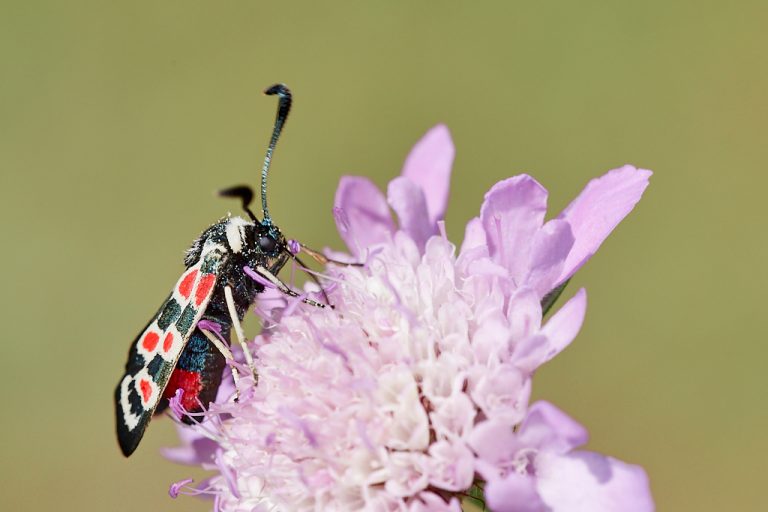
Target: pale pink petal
[(564, 325), (513, 493), (474, 235), (530, 353), (548, 428), (493, 441), (591, 482), (558, 333), (523, 314), (551, 246), (512, 213), (451, 465), (408, 473), (603, 203), (195, 448), (363, 217), (441, 379), (429, 166), (454, 416), (490, 341), (502, 393), (407, 200)]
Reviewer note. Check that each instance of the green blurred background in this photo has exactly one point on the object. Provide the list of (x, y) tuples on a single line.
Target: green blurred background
[(117, 122)]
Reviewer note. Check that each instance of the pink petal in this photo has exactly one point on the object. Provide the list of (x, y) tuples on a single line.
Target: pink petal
[(451, 465), (548, 428), (591, 482), (408, 473), (564, 325), (558, 333), (603, 203), (551, 246), (453, 416), (524, 314), (530, 353), (512, 213), (502, 394), (363, 218), (493, 441), (408, 201), (513, 493), (195, 448), (474, 235), (429, 166)]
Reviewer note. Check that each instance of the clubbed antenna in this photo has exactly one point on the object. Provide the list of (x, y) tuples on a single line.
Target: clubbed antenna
[(245, 194), (283, 107)]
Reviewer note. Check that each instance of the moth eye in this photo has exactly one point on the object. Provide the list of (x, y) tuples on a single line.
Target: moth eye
[(267, 243)]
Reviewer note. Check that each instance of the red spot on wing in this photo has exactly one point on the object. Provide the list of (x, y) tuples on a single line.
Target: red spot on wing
[(145, 387), (188, 381), (185, 287), (149, 342), (168, 342), (204, 287)]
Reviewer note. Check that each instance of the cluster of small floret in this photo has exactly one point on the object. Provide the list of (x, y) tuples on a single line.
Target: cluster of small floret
[(414, 391)]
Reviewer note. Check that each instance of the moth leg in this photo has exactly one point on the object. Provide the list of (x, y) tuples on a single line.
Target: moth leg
[(313, 277), (239, 333), (228, 356), (323, 259), (269, 276)]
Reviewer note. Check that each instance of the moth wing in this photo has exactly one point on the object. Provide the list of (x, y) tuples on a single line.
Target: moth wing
[(156, 350)]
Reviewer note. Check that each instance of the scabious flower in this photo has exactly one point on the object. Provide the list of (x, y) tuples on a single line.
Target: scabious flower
[(414, 391)]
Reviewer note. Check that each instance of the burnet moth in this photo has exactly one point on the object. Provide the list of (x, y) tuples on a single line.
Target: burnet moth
[(226, 268)]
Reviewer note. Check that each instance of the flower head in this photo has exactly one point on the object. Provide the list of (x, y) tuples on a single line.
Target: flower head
[(415, 388)]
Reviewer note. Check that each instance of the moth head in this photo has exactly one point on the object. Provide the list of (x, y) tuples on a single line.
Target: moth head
[(269, 240), (270, 247)]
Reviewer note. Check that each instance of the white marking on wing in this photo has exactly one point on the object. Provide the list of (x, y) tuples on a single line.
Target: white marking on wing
[(130, 419)]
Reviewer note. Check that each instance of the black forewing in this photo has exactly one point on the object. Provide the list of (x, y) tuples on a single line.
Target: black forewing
[(156, 350)]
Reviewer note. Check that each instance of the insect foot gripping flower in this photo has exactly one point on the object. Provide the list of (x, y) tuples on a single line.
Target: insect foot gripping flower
[(413, 392)]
